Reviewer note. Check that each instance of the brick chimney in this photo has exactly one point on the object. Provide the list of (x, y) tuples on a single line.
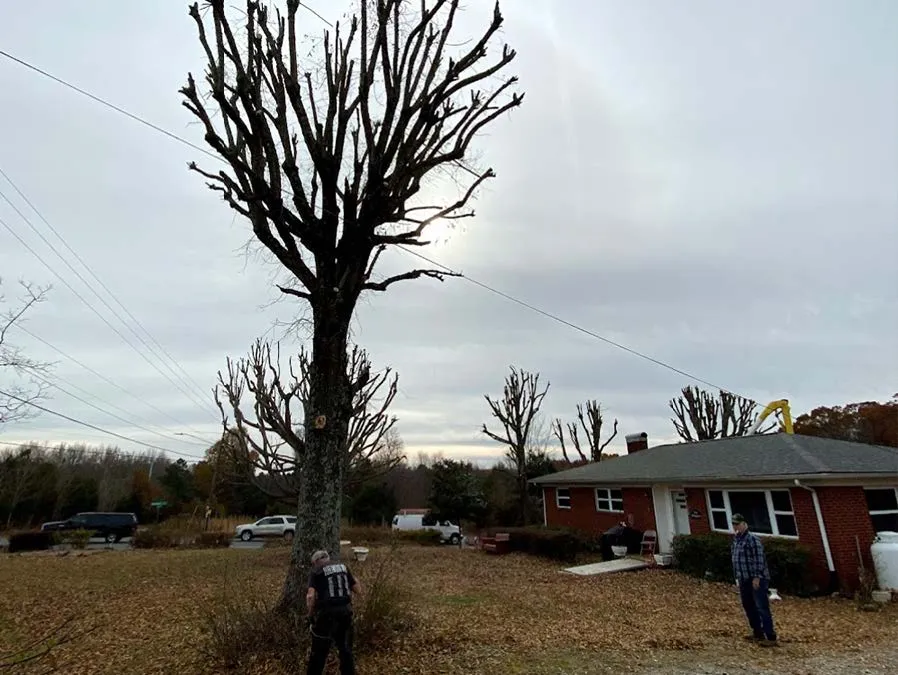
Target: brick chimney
[(637, 442)]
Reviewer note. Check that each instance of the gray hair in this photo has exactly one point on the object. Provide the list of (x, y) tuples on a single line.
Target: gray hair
[(320, 555)]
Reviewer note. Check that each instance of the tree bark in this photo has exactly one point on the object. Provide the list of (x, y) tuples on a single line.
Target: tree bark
[(321, 490)]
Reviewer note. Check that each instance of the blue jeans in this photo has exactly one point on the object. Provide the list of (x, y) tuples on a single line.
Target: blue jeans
[(757, 608)]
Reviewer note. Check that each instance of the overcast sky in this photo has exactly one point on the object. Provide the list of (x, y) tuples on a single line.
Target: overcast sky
[(713, 184)]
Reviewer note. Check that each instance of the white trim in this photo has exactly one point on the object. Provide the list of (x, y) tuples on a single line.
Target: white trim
[(608, 499), (558, 503), (728, 510), (545, 519)]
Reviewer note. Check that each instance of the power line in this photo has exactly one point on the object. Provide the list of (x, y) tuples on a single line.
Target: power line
[(94, 309), (112, 295), (109, 381), (93, 426), (132, 423), (482, 285)]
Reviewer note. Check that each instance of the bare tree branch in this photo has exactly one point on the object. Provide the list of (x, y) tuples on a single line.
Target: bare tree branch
[(515, 412), (268, 430), (16, 365)]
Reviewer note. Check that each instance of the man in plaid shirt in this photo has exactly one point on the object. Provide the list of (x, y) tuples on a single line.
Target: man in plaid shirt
[(753, 579)]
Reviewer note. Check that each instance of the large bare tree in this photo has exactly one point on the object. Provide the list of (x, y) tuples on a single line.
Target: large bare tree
[(591, 421), (269, 428), (515, 412), (326, 156), (700, 415), (23, 381)]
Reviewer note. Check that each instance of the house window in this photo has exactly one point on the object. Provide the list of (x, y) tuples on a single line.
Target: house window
[(882, 503), (563, 498), (609, 499), (767, 511)]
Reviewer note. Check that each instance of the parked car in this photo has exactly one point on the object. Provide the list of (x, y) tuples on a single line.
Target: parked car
[(111, 526), (449, 532), (271, 526)]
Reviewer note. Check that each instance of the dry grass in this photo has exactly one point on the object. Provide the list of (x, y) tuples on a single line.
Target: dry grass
[(195, 523), (474, 614)]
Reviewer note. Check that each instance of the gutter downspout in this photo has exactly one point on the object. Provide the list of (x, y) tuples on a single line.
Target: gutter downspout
[(823, 535), (545, 520)]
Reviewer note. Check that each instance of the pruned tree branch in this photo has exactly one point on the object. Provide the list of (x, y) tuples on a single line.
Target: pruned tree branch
[(703, 416), (591, 421), (327, 168), (515, 413)]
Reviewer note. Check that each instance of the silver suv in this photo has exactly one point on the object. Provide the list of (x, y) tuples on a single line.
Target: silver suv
[(270, 526)]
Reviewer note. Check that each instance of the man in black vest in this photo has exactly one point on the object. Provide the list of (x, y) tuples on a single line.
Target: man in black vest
[(329, 601)]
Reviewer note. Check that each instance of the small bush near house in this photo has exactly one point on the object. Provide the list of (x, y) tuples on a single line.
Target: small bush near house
[(557, 544), (707, 556)]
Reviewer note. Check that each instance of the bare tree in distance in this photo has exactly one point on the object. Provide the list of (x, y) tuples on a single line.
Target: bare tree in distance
[(17, 397), (700, 415), (329, 175), (269, 424), (516, 412), (591, 421)]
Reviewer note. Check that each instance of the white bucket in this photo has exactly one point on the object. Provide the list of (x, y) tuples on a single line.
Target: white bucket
[(360, 553), (619, 551)]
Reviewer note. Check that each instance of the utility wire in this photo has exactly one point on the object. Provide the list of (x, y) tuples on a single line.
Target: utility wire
[(95, 311), (415, 253), (112, 295), (92, 426), (110, 382), (55, 385)]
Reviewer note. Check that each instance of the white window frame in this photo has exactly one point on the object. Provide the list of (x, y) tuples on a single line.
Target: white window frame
[(887, 512), (608, 500), (558, 498), (773, 513)]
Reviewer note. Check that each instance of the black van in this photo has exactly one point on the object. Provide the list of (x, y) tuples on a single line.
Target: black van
[(111, 526)]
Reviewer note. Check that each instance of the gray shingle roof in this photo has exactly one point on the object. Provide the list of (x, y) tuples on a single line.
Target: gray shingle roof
[(757, 457)]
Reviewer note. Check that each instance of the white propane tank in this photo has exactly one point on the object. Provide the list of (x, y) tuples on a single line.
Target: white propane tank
[(885, 559)]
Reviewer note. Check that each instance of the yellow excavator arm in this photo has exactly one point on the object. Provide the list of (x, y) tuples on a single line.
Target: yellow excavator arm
[(783, 406)]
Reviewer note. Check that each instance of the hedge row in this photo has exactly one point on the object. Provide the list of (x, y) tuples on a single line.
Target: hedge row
[(707, 556), (153, 537), (39, 540), (554, 543)]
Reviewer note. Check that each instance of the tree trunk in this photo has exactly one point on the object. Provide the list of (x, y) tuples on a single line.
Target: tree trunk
[(321, 486)]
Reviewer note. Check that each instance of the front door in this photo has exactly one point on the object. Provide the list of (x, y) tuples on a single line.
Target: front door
[(680, 512)]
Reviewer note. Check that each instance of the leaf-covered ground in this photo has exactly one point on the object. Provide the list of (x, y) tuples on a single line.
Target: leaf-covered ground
[(476, 614)]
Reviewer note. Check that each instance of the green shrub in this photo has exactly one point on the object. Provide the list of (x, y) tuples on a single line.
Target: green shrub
[(420, 537), (707, 556), (554, 543), (78, 539)]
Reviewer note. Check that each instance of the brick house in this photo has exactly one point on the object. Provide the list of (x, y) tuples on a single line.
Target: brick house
[(818, 491)]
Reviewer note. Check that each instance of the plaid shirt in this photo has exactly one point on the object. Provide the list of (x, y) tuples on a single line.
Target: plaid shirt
[(749, 561)]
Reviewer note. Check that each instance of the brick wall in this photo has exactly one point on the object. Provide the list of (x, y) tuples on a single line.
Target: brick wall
[(846, 517), (583, 515), (695, 501)]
